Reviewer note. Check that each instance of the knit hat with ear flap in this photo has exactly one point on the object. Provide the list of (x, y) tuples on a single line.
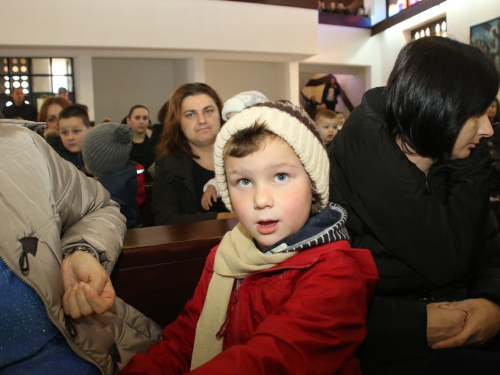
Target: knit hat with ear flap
[(295, 127), (106, 148), (242, 100)]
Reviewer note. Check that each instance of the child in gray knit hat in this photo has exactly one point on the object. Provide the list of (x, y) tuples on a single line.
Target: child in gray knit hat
[(106, 152), (284, 292)]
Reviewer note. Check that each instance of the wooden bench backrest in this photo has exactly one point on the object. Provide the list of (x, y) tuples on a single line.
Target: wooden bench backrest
[(159, 267)]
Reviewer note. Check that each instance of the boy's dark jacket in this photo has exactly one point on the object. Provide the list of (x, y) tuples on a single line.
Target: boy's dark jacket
[(304, 316)]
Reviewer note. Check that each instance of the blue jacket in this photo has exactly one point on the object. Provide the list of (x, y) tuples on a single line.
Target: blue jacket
[(126, 187)]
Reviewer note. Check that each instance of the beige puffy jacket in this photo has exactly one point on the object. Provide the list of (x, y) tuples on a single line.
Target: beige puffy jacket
[(44, 197)]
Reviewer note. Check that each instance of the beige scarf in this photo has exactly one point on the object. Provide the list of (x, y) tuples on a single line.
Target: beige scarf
[(236, 258)]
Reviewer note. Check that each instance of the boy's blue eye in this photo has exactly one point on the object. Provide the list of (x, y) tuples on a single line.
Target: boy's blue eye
[(281, 177), (244, 182)]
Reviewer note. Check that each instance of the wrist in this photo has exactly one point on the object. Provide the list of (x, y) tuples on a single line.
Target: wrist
[(80, 248)]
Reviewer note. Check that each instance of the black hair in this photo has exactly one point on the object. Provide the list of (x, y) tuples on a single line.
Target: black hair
[(436, 85), (76, 110)]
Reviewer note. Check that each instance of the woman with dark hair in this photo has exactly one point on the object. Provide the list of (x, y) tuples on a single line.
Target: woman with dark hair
[(138, 120), (411, 167), (185, 159), (330, 93)]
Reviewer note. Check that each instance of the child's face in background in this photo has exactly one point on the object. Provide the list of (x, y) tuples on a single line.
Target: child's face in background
[(340, 120), (72, 131), (328, 128), (270, 191)]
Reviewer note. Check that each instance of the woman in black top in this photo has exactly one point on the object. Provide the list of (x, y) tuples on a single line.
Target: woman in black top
[(185, 156), (411, 167), (138, 120)]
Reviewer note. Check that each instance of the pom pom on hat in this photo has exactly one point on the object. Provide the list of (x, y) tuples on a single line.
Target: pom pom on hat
[(241, 101), (296, 128), (106, 148)]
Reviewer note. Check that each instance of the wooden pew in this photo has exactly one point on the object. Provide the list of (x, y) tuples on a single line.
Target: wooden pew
[(159, 267)]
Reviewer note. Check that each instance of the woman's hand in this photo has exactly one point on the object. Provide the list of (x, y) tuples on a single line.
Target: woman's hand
[(443, 323), (88, 289), (481, 325)]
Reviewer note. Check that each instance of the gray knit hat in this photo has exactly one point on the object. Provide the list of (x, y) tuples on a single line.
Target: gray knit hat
[(294, 126), (106, 148)]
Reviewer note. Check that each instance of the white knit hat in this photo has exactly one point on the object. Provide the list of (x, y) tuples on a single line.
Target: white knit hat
[(242, 100), (295, 127)]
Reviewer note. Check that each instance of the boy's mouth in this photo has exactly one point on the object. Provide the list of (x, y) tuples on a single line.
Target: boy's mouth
[(267, 226)]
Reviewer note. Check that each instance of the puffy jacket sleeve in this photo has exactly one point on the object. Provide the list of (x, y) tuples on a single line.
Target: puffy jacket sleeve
[(87, 214), (173, 202)]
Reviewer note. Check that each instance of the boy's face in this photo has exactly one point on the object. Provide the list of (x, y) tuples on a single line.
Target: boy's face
[(72, 131), (270, 191), (328, 128)]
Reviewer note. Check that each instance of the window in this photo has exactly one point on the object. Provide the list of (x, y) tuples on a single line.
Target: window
[(437, 27), (38, 77)]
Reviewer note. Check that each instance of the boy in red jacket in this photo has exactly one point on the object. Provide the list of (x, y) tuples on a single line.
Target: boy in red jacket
[(283, 293)]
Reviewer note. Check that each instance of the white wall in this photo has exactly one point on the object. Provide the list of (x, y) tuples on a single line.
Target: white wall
[(460, 15), (119, 84), (201, 36), (229, 78)]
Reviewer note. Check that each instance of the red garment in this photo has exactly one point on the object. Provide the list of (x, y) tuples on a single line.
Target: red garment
[(306, 315)]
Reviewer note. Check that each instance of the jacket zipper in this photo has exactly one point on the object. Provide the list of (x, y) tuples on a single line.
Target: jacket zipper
[(76, 349)]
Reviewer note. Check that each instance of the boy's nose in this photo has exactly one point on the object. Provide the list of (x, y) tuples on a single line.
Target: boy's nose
[(262, 198)]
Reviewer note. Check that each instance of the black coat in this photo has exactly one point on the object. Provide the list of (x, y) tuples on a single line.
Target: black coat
[(430, 243), (174, 198)]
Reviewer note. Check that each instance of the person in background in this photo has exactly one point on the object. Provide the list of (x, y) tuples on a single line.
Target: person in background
[(19, 107), (330, 93), (73, 125), (49, 113), (412, 169), (138, 120), (283, 293), (64, 93), (493, 113), (231, 107), (312, 105), (327, 123), (61, 236), (156, 131), (341, 120), (106, 152), (185, 159)]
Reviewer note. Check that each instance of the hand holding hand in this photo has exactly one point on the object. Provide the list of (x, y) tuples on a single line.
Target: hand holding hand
[(208, 196), (87, 286), (443, 323), (481, 325)]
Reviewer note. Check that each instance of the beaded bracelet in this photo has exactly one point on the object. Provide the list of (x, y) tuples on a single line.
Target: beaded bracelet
[(85, 249)]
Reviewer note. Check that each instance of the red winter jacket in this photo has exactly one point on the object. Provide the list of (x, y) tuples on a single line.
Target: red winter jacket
[(304, 316)]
